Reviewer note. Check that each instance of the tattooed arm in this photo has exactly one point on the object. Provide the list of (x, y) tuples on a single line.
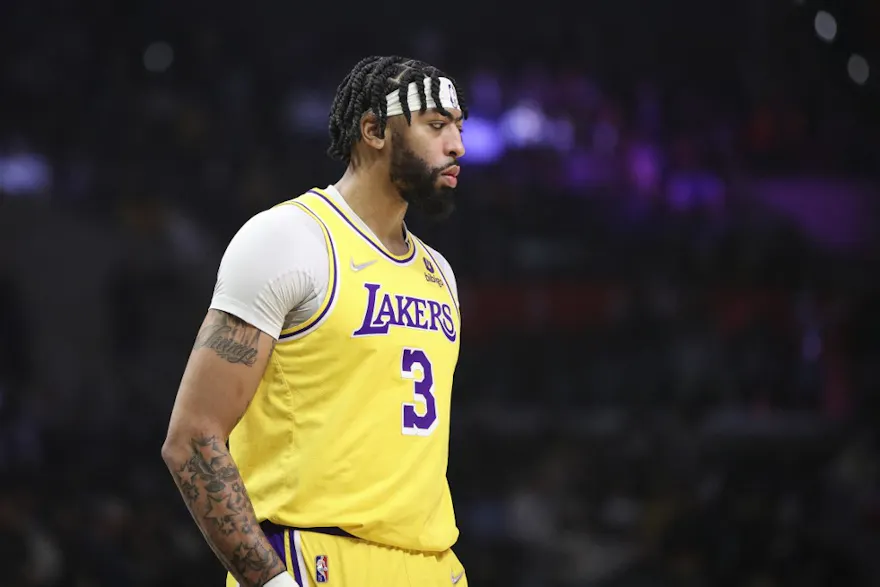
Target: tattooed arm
[(221, 378)]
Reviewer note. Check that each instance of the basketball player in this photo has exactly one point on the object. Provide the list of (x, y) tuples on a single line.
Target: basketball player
[(326, 360)]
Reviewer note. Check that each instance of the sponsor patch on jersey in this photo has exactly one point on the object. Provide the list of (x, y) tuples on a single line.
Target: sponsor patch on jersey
[(322, 571), (433, 279), (429, 276)]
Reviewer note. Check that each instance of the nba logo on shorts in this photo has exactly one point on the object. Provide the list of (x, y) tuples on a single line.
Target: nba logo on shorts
[(322, 573), (428, 265)]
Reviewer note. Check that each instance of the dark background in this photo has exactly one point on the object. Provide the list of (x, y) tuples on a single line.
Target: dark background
[(666, 245)]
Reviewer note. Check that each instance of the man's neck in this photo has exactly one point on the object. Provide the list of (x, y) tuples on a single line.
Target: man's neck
[(379, 206)]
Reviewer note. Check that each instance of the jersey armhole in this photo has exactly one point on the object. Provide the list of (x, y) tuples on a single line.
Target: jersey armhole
[(326, 306)]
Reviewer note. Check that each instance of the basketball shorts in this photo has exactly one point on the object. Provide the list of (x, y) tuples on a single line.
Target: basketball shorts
[(316, 560)]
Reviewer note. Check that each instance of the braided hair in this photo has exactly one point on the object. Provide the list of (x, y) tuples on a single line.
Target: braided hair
[(364, 90)]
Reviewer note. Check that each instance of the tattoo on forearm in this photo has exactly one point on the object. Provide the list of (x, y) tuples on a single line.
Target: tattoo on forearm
[(231, 338), (213, 490)]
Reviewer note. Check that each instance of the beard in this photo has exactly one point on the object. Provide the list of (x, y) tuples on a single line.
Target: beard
[(417, 182)]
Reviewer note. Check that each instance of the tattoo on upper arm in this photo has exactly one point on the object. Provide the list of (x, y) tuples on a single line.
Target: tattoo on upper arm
[(233, 339)]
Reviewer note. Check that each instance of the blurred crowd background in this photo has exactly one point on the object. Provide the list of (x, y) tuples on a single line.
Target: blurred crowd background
[(667, 245)]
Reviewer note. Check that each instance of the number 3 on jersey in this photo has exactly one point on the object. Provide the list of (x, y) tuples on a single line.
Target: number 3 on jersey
[(414, 423)]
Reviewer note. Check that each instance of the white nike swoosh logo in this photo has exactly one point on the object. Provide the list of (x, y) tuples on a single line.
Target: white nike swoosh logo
[(457, 578), (355, 267)]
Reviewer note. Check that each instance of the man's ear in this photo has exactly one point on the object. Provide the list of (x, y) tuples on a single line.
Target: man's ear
[(371, 133)]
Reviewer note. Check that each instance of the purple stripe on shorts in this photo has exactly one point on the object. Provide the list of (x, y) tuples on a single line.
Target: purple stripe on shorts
[(294, 560), (276, 539)]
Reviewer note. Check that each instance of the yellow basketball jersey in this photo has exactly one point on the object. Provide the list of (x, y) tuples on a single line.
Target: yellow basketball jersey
[(350, 425)]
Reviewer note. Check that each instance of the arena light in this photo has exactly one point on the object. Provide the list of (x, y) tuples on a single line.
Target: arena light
[(25, 174), (826, 26), (858, 69), (158, 57), (560, 134), (483, 141), (523, 125)]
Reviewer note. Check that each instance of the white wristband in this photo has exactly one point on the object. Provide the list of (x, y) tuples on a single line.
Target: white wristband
[(282, 580)]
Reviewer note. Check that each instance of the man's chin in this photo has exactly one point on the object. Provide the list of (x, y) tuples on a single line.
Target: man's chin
[(439, 206)]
